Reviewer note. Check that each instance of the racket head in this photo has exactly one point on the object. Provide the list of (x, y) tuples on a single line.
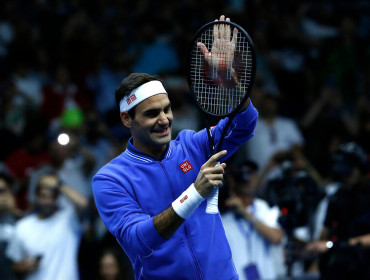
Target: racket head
[(213, 85)]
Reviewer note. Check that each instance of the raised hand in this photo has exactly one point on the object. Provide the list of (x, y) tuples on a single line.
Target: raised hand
[(210, 176), (221, 55)]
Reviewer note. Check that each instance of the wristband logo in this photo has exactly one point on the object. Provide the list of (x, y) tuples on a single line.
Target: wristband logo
[(185, 166), (183, 199)]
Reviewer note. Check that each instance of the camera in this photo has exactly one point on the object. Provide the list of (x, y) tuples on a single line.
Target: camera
[(295, 193)]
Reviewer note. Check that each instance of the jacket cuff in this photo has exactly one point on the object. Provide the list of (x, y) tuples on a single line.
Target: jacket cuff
[(150, 235), (247, 116)]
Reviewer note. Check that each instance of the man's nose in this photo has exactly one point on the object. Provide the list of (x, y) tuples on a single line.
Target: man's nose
[(163, 118)]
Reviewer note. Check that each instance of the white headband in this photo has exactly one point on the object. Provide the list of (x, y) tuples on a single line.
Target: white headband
[(140, 94)]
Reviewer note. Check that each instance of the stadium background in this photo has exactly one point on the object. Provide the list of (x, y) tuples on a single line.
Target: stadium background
[(307, 52)]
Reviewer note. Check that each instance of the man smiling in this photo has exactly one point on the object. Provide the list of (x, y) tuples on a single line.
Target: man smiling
[(152, 196)]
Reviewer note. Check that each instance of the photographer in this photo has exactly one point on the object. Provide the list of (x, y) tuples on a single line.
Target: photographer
[(251, 226), (344, 244)]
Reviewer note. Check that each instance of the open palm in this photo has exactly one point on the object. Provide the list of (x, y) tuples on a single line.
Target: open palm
[(221, 55)]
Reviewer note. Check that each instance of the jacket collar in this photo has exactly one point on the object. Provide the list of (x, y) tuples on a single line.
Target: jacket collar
[(135, 153)]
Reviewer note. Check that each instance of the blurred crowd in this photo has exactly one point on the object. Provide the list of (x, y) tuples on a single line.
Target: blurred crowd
[(60, 63)]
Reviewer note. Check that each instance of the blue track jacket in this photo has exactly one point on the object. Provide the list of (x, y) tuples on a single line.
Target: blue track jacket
[(133, 188)]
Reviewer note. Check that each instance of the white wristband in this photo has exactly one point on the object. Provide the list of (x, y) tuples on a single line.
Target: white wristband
[(187, 202)]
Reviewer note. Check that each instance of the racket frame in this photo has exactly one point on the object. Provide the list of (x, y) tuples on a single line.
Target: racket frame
[(233, 113)]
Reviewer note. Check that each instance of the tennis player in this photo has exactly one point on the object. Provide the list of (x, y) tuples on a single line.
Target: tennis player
[(152, 197)]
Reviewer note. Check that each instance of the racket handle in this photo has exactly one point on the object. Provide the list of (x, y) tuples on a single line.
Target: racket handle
[(212, 200)]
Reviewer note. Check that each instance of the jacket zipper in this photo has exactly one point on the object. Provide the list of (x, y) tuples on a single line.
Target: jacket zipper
[(195, 261)]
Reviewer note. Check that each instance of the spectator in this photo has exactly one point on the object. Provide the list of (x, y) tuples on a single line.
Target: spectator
[(273, 134), (251, 227), (98, 140), (13, 108), (72, 163), (328, 118), (29, 83), (111, 266), (62, 95), (45, 244), (345, 238), (97, 238), (29, 157), (7, 222), (156, 54)]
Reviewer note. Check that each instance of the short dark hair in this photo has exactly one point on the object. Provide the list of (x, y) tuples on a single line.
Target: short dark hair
[(128, 84), (55, 190)]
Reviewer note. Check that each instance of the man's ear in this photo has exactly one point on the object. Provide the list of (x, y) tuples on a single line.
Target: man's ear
[(126, 119)]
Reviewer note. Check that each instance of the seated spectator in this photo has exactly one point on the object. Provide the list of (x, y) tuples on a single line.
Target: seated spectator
[(251, 227), (44, 245), (111, 266), (7, 222), (273, 134)]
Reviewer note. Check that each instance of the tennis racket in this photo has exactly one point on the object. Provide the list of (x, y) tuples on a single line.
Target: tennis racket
[(221, 69)]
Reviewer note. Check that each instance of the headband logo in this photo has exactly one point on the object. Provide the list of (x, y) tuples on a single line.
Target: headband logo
[(131, 99), (140, 94)]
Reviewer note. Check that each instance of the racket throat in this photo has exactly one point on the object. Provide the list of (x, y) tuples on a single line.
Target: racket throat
[(210, 136)]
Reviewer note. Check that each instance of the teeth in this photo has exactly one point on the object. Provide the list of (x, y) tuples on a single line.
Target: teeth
[(160, 131)]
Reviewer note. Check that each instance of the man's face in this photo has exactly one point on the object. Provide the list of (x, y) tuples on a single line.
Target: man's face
[(269, 106), (109, 268), (46, 200), (152, 123), (248, 189)]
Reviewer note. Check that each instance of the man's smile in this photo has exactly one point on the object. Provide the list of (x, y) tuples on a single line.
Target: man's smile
[(161, 131)]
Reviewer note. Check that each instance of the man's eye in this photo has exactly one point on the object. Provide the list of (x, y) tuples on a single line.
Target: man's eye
[(167, 109)]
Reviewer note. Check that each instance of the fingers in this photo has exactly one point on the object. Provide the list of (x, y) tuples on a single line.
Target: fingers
[(221, 31), (215, 31), (235, 36), (214, 177), (203, 48), (207, 54), (214, 159), (215, 170), (227, 30)]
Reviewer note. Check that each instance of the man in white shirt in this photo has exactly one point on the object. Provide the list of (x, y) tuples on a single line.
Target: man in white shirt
[(273, 134), (251, 227), (45, 244)]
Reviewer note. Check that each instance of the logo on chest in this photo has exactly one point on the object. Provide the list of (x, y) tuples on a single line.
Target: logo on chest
[(185, 166)]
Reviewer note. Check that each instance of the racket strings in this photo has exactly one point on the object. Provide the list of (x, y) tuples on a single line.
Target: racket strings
[(221, 81)]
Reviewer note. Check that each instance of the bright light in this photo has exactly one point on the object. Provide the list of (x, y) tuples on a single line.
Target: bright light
[(63, 139), (329, 244)]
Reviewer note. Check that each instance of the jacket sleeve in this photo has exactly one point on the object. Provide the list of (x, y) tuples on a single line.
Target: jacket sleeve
[(124, 218), (240, 131)]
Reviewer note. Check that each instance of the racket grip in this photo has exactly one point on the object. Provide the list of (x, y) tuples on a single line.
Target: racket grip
[(212, 200)]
